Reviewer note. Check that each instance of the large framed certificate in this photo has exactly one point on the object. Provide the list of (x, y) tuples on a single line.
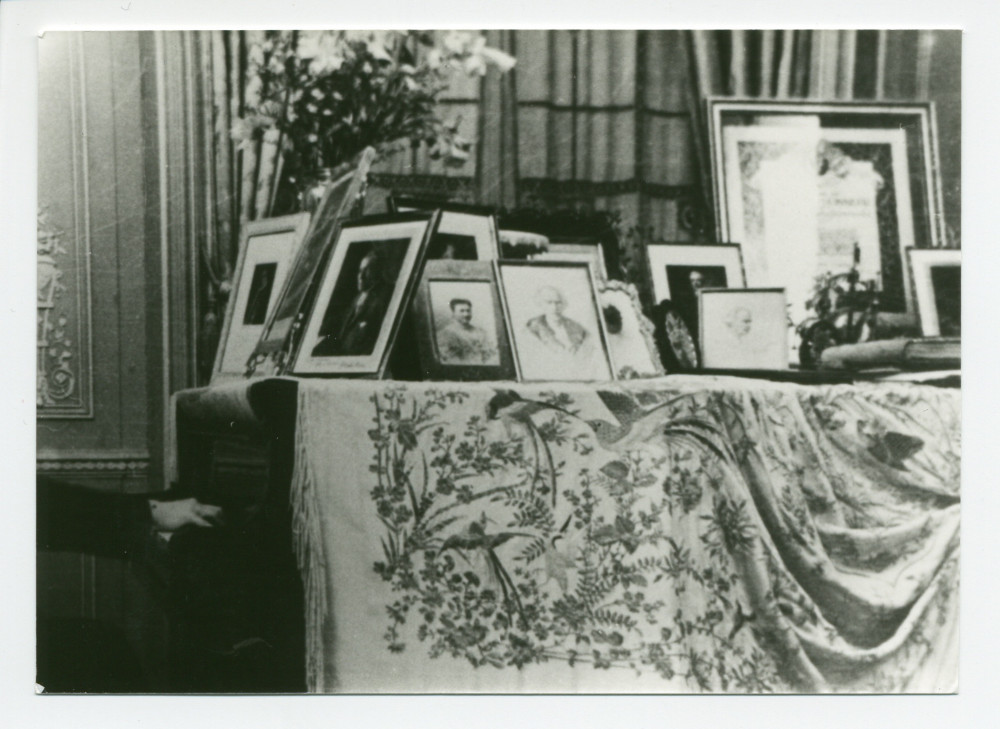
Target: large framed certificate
[(800, 184)]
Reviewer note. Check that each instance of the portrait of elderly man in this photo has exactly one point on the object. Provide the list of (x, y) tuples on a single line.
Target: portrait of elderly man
[(740, 322), (462, 342), (557, 332), (556, 346), (356, 330)]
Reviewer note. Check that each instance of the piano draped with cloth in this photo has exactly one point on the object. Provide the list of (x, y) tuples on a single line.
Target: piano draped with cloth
[(674, 535)]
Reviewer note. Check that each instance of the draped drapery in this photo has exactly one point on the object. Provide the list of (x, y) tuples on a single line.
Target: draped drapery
[(613, 120), (206, 82)]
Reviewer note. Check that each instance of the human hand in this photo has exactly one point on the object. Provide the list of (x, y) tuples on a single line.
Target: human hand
[(170, 516)]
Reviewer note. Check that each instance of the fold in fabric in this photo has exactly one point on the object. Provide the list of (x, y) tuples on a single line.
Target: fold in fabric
[(673, 535)]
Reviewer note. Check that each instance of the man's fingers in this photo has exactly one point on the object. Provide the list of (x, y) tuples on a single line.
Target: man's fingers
[(207, 515), (200, 521)]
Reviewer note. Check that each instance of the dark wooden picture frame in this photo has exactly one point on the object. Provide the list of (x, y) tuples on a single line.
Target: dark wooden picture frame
[(458, 314), (365, 288), (893, 143)]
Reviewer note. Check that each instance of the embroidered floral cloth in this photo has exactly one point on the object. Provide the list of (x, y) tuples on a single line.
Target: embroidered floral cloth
[(685, 534)]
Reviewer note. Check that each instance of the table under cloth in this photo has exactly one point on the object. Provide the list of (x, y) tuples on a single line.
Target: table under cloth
[(681, 534)]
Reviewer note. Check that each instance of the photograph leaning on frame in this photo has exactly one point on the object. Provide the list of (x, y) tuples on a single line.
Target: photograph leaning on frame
[(505, 361)]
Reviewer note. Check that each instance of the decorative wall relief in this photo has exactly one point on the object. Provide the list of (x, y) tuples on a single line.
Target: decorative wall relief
[(62, 386)]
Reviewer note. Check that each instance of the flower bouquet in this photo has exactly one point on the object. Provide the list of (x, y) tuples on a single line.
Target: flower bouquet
[(323, 96)]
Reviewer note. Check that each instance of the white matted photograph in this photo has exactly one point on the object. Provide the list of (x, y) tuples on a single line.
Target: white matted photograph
[(555, 321), (680, 269), (937, 286), (631, 336), (743, 329), (267, 249), (358, 304), (466, 232)]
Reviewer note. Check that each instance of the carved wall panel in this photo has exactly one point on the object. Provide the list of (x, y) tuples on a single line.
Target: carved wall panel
[(64, 387)]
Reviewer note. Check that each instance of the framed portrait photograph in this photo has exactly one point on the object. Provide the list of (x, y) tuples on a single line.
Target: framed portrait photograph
[(937, 285), (588, 251), (266, 250), (465, 233), (676, 341), (679, 270), (743, 329), (458, 314), (631, 337), (339, 203), (555, 321), (799, 184), (363, 291)]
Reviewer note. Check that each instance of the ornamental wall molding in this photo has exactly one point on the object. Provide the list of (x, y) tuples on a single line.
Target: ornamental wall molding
[(93, 462), (64, 386)]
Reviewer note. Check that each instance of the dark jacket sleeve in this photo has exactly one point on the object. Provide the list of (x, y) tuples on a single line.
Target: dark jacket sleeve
[(79, 519)]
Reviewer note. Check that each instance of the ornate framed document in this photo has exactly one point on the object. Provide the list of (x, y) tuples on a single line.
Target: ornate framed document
[(799, 184)]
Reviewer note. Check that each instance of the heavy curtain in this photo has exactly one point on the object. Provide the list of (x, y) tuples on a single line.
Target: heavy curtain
[(204, 82), (614, 120)]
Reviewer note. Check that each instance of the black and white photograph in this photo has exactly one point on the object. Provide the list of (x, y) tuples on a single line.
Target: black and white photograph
[(465, 233), (267, 250), (458, 318), (327, 205), (358, 303), (680, 269), (631, 340), (555, 321), (742, 328), (937, 283), (396, 458), (460, 312)]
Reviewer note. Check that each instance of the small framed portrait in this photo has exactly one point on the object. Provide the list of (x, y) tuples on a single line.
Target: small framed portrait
[(631, 338), (743, 329), (266, 251), (459, 321), (679, 270), (676, 341), (937, 285), (465, 233), (365, 287), (555, 321), (586, 250)]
